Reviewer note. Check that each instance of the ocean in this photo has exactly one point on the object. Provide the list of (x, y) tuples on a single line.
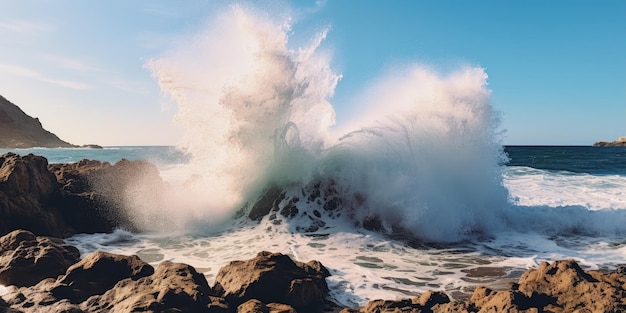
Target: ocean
[(416, 156), (563, 202)]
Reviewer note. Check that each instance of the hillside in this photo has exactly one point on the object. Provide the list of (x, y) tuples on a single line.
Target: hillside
[(18, 130)]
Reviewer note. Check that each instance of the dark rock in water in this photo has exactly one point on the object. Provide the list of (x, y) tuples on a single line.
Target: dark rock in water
[(92, 194), (273, 277), (269, 201), (62, 199), (91, 146), (26, 259), (18, 130)]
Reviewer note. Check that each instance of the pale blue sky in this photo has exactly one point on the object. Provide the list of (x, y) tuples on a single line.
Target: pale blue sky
[(557, 69)]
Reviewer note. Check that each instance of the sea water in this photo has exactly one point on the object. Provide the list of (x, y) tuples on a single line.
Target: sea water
[(421, 152), (583, 211)]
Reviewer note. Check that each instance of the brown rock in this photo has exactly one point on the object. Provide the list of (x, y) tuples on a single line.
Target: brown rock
[(26, 188), (280, 308), (26, 259), (252, 306), (272, 277), (174, 287), (97, 273)]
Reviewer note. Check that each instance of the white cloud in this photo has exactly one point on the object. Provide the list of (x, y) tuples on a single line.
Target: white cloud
[(72, 64), (24, 26), (29, 73)]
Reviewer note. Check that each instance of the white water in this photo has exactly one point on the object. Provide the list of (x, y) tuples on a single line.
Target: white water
[(422, 153)]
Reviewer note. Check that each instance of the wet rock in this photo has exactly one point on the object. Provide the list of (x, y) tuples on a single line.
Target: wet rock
[(92, 194), (26, 259), (174, 287), (26, 188), (273, 278), (97, 273), (269, 201)]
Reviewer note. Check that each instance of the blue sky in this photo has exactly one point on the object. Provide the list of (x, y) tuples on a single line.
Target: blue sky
[(557, 69)]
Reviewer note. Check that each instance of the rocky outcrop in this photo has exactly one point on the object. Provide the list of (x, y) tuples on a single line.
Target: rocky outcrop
[(105, 282), (274, 278), (18, 130), (27, 189), (26, 259), (620, 142), (63, 199), (270, 282)]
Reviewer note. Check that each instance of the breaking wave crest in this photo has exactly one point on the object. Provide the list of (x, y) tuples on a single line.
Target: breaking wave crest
[(422, 151)]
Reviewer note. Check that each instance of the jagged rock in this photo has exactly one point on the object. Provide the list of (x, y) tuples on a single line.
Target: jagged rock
[(564, 287), (18, 130), (93, 194), (174, 287), (26, 189), (268, 202), (97, 273), (26, 259), (273, 277), (60, 200)]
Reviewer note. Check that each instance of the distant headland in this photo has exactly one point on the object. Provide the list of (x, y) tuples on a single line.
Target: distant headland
[(19, 130), (620, 142)]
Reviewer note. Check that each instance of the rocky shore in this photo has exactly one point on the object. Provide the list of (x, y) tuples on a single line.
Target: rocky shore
[(44, 274), (42, 203)]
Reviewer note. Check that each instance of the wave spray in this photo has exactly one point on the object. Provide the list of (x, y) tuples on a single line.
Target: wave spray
[(422, 151)]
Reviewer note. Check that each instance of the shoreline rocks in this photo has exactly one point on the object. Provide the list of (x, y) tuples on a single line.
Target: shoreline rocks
[(64, 199), (270, 282)]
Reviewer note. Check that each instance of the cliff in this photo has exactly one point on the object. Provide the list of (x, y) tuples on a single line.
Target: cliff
[(18, 130)]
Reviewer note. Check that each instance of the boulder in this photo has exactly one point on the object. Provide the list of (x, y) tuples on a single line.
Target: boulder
[(26, 189), (26, 259), (93, 195), (97, 273), (174, 287), (566, 286), (273, 278)]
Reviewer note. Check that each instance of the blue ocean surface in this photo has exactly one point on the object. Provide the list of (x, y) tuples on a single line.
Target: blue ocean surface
[(574, 159)]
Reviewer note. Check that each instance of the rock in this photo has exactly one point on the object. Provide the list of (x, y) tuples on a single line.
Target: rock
[(93, 194), (97, 273), (26, 259), (268, 202), (253, 306), (60, 200), (564, 285), (26, 189), (620, 142), (174, 287), (273, 278), (18, 130)]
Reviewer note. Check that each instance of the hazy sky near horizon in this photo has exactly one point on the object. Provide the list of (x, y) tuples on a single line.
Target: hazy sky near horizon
[(557, 69)]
